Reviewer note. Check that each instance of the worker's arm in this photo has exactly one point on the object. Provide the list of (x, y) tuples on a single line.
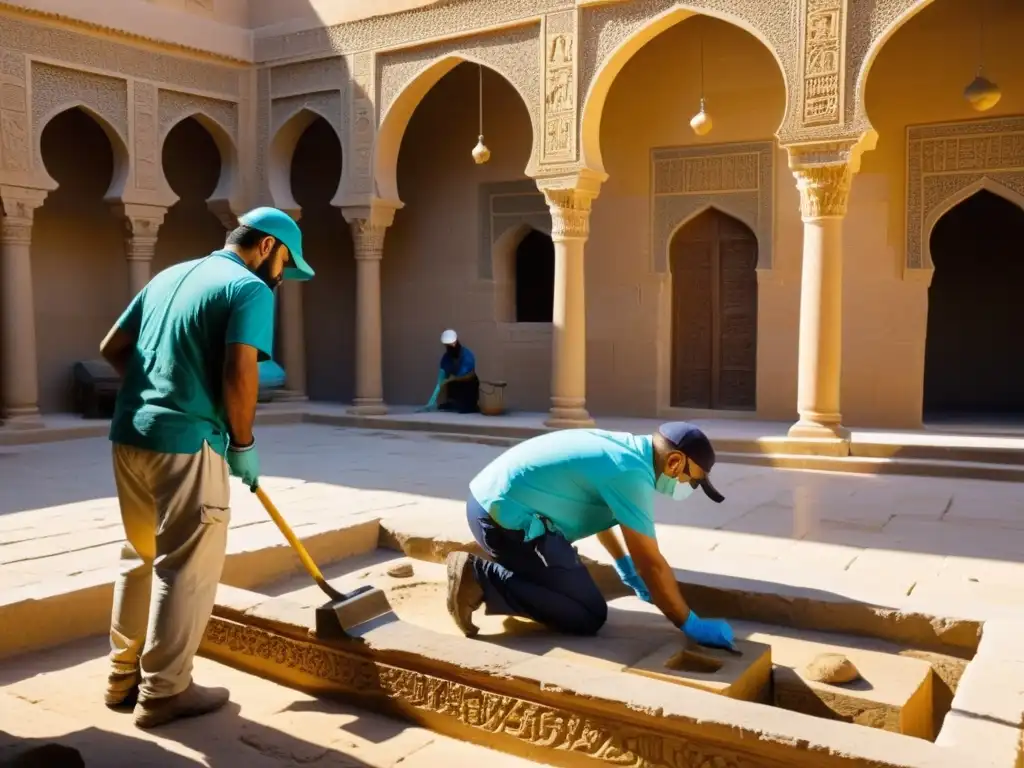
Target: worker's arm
[(118, 345), (467, 363), (241, 390), (611, 544), (117, 348), (657, 575)]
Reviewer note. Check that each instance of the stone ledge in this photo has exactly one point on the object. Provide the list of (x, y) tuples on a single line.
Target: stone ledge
[(551, 710), (51, 613)]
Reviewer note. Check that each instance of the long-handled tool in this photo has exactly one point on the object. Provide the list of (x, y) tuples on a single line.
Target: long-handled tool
[(334, 620)]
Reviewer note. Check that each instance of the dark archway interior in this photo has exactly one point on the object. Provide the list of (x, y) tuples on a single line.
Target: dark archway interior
[(714, 314), (974, 353), (535, 278), (328, 300), (79, 272), (192, 167)]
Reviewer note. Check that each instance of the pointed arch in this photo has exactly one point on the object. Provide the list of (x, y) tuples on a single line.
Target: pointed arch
[(282, 149), (719, 205), (119, 178), (228, 185), (396, 118), (909, 10), (608, 70), (933, 217)]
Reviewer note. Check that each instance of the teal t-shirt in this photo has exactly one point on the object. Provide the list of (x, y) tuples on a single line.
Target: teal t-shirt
[(581, 481), (171, 396)]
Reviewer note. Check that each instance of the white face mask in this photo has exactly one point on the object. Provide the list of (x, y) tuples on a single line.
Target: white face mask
[(671, 487)]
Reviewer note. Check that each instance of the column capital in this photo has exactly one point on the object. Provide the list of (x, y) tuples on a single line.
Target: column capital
[(369, 224), (141, 227), (19, 205), (824, 173), (570, 212)]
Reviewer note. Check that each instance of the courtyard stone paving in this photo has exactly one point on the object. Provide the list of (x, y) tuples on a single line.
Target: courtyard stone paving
[(59, 516)]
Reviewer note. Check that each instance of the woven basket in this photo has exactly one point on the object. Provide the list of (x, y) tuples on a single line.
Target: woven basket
[(492, 398)]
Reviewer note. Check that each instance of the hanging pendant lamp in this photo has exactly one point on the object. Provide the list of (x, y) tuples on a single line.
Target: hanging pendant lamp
[(981, 93), (481, 154), (701, 122)]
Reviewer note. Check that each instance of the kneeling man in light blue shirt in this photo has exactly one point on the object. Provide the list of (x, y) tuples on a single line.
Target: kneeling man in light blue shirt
[(529, 505)]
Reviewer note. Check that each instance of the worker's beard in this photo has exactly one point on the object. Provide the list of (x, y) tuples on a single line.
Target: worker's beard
[(263, 273)]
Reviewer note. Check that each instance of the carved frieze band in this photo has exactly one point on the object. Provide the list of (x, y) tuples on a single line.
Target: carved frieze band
[(15, 149), (55, 89), (397, 29), (821, 61), (947, 163), (512, 54), (102, 53), (737, 179), (560, 98), (468, 708), (362, 124)]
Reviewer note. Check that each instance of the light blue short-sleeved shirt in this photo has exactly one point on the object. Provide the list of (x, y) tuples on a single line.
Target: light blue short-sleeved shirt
[(171, 395), (581, 481)]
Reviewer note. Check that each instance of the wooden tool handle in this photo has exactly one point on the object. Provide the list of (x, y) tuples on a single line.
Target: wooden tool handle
[(311, 567)]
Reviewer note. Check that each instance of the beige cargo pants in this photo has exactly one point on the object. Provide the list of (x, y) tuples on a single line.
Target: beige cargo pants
[(175, 510)]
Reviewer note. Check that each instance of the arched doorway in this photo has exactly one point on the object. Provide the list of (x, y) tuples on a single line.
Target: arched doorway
[(328, 301), (714, 314), (192, 166), (535, 278), (79, 271), (973, 360)]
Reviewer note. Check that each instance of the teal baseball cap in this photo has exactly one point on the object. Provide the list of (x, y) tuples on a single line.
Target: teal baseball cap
[(279, 224)]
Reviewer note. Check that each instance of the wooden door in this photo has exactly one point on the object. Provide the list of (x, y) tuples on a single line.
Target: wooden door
[(714, 314)]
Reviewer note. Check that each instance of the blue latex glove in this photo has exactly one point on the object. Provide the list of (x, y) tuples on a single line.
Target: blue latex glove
[(627, 572), (714, 633), (244, 463), (432, 402)]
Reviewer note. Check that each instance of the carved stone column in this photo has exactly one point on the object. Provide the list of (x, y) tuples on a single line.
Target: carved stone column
[(142, 225), (368, 230), (19, 377), (824, 182), (570, 226)]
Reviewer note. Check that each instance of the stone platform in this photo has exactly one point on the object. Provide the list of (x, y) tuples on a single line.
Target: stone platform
[(575, 702)]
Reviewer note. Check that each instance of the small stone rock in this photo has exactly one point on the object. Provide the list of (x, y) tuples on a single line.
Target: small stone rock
[(832, 668), (400, 571)]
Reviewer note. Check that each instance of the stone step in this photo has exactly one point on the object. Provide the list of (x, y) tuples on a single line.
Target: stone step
[(973, 470)]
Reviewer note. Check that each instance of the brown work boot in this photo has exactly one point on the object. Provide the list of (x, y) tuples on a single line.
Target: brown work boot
[(192, 702), (122, 689), (464, 593)]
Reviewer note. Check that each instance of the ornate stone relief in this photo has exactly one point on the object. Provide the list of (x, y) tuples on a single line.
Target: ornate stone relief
[(512, 54), (570, 213), (326, 104), (945, 161), (458, 17), (15, 150), (472, 709), (304, 77), (824, 190), (367, 238), (504, 206), (362, 125), (57, 88), (821, 62), (603, 28), (174, 106), (147, 139), (105, 54), (560, 97), (738, 179)]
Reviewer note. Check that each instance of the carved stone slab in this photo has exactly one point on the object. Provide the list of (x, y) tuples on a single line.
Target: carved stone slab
[(738, 179), (947, 163)]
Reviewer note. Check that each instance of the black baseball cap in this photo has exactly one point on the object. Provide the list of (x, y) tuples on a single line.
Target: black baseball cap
[(691, 440)]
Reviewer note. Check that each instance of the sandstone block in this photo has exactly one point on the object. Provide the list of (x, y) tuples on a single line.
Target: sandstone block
[(745, 676), (893, 694)]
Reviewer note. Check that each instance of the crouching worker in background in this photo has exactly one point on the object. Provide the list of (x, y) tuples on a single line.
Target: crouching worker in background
[(531, 503)]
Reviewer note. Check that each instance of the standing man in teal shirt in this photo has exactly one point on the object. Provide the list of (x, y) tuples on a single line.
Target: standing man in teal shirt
[(187, 348), (529, 505)]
